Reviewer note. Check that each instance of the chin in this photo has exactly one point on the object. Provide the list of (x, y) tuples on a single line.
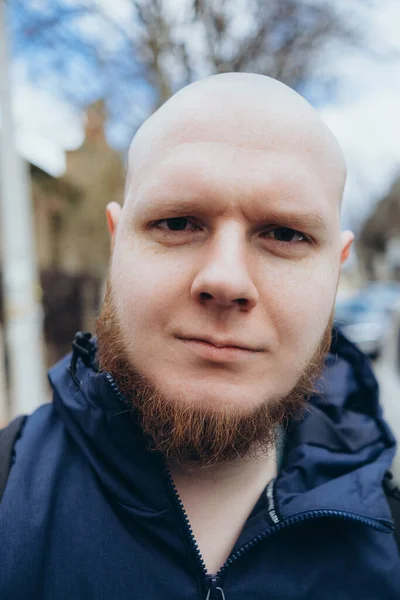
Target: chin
[(219, 397)]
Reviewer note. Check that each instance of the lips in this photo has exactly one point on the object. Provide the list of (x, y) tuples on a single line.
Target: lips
[(222, 344), (226, 352)]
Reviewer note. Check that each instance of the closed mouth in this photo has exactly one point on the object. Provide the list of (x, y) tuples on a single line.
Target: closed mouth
[(221, 345)]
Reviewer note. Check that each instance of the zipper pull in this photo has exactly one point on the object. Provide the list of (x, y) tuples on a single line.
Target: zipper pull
[(214, 585)]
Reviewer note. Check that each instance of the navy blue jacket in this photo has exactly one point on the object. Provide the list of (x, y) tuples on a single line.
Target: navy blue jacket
[(89, 514)]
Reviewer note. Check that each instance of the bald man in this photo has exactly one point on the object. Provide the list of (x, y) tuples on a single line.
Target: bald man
[(193, 450)]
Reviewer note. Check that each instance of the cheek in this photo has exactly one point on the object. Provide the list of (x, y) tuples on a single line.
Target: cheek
[(146, 288), (303, 300)]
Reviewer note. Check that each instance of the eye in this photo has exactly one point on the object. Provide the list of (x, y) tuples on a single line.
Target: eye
[(177, 224), (285, 234)]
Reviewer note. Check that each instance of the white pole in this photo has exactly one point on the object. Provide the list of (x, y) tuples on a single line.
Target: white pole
[(4, 407), (23, 313)]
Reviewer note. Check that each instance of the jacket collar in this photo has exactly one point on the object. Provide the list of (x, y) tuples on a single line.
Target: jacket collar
[(335, 456), (101, 423)]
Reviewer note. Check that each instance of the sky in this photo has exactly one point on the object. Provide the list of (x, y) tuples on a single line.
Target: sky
[(366, 119), (365, 116)]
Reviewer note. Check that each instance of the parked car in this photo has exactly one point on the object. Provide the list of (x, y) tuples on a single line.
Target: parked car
[(382, 295), (360, 321)]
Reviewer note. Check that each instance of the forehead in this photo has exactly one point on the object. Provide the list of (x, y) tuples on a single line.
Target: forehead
[(247, 120), (218, 177)]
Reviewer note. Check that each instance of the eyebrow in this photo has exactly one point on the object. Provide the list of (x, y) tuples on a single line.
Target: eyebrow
[(172, 205), (309, 219)]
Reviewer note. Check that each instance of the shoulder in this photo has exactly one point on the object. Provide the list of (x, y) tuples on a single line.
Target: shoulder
[(34, 445), (42, 432), (11, 434)]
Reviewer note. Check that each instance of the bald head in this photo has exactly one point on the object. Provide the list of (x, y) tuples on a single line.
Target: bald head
[(246, 111)]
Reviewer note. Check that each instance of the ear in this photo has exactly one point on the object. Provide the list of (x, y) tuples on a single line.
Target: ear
[(113, 212), (347, 240)]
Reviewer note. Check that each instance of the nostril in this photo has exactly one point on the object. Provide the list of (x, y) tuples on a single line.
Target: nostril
[(205, 296), (242, 301)]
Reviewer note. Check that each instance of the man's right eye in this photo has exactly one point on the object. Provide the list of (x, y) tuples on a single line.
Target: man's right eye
[(176, 224)]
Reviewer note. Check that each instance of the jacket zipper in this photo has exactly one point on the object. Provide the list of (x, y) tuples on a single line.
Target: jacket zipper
[(308, 516), (213, 583), (115, 388), (185, 522)]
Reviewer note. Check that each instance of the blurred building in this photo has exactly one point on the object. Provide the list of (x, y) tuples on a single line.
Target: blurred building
[(379, 241), (73, 245)]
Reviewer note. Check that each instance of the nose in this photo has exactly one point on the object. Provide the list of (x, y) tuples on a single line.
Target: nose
[(224, 279)]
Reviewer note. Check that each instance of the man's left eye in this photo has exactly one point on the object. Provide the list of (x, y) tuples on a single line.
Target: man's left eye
[(285, 234)]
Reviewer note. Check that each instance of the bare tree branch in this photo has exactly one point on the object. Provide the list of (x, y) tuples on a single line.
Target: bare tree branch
[(160, 51)]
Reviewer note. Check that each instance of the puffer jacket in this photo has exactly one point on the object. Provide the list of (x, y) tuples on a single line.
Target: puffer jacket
[(89, 514)]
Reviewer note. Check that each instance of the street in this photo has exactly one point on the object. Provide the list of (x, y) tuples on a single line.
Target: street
[(388, 375)]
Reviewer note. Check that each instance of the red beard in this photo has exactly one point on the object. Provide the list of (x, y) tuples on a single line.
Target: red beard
[(190, 435)]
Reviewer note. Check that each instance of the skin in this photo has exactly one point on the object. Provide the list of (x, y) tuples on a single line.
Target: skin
[(240, 157)]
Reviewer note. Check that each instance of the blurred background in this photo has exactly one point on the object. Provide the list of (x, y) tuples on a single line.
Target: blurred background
[(77, 78)]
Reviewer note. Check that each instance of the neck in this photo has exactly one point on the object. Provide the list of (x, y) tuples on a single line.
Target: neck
[(260, 464), (219, 499)]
